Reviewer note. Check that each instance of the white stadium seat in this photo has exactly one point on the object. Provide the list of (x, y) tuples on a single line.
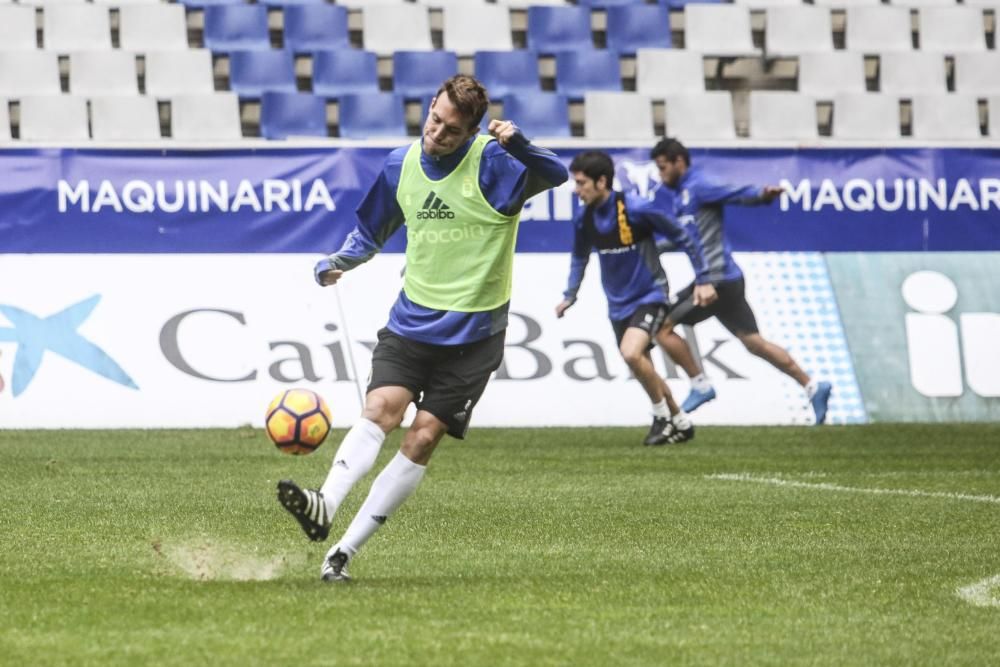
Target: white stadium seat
[(824, 75), (952, 29), (782, 115), (614, 115), (76, 28), (125, 118), (29, 73), (5, 134), (212, 117), (390, 28), (946, 117), (54, 118), (170, 73), (994, 116), (17, 28), (701, 116), (906, 74), (470, 27), (718, 30), (661, 72), (869, 116), (977, 73), (878, 29), (102, 73), (795, 30), (157, 27)]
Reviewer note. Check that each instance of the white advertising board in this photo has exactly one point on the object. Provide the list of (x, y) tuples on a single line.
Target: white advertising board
[(98, 341)]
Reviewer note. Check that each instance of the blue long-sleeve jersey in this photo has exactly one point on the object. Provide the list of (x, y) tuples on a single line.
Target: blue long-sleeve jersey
[(507, 177), (631, 273), (698, 205)]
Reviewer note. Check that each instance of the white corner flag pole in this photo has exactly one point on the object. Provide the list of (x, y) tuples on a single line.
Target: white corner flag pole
[(349, 344)]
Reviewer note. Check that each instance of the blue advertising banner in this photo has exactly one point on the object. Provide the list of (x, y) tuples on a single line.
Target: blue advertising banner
[(287, 200)]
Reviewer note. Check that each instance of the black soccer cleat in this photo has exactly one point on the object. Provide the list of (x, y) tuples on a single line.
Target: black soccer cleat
[(657, 432), (674, 435), (308, 508), (335, 566)]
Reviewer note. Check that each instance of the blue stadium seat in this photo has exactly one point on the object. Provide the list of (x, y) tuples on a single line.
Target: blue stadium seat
[(555, 29), (580, 71), (284, 115), (505, 72), (638, 27), (372, 115), (538, 114), (251, 73), (236, 28), (419, 73), (315, 27), (344, 72)]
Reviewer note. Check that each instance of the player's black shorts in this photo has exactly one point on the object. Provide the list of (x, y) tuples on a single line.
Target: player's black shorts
[(731, 308), (649, 317), (447, 380)]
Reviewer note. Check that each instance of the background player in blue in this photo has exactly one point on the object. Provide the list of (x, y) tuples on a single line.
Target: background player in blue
[(621, 227), (460, 197), (698, 205)]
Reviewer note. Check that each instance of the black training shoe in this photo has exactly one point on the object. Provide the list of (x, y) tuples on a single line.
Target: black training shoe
[(335, 566), (308, 508), (657, 432)]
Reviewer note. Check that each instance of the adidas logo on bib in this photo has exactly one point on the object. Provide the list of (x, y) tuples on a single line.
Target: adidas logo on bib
[(434, 208)]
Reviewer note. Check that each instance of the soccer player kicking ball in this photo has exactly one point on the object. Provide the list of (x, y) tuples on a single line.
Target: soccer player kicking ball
[(698, 205), (460, 196), (620, 226)]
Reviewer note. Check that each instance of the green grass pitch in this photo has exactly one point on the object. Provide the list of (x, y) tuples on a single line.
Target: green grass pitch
[(874, 545)]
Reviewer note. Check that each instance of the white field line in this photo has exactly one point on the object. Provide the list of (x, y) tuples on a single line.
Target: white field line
[(982, 593), (823, 486)]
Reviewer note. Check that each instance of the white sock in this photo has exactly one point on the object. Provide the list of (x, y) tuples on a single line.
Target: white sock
[(660, 409), (700, 382), (354, 458), (811, 388), (681, 420), (394, 484)]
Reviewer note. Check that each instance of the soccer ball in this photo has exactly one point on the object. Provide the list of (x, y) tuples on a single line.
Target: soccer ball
[(297, 421)]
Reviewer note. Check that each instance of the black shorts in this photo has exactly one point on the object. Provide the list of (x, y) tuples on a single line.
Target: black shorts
[(649, 317), (446, 380), (731, 308)]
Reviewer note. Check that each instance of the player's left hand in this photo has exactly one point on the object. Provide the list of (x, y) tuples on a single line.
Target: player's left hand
[(325, 273), (771, 192), (705, 295), (503, 130)]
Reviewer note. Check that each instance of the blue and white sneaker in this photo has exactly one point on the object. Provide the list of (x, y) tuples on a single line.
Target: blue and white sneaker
[(696, 398), (820, 400)]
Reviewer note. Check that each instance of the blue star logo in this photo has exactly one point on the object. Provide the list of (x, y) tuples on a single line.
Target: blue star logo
[(56, 333)]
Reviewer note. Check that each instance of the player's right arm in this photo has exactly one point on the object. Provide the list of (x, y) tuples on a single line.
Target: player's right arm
[(379, 216), (579, 257)]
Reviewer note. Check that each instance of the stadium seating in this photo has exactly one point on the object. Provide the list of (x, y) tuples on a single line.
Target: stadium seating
[(661, 72), (389, 28), (977, 73), (538, 114), (170, 73), (211, 117), (102, 73), (798, 29), (124, 118), (419, 73), (578, 72), (823, 75), (284, 115), (994, 116), (617, 115), (701, 116), (782, 115), (29, 73), (315, 27), (251, 73), (608, 4), (236, 28), (372, 115), (505, 72), (67, 28), (553, 30), (4, 121), (17, 28), (907, 74), (344, 72), (471, 27), (877, 29), (866, 116), (54, 118), (946, 117), (718, 30), (636, 26), (952, 29), (525, 4), (157, 27)]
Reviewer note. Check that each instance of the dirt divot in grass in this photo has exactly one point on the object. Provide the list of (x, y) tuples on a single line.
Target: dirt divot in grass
[(206, 559)]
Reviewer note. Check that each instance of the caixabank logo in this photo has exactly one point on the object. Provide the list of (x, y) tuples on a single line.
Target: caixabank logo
[(35, 336)]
